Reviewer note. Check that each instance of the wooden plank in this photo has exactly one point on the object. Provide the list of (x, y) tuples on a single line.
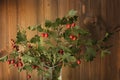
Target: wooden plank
[(41, 12), (27, 16), (50, 9), (63, 8), (11, 25), (3, 31), (32, 12), (3, 39)]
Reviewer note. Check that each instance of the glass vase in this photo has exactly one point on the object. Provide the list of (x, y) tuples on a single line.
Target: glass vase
[(54, 73)]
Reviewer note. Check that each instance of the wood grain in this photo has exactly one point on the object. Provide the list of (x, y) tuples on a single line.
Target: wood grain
[(32, 12)]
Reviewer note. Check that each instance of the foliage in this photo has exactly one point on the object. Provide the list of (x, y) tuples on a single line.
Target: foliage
[(60, 42)]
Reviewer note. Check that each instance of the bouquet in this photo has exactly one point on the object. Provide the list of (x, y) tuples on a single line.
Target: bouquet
[(58, 43)]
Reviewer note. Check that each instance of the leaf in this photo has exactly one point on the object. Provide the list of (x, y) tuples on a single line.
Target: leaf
[(75, 18), (39, 28), (66, 34), (35, 39), (20, 69), (90, 54), (27, 58), (71, 59), (21, 36), (71, 20), (32, 28), (89, 42), (77, 27), (74, 49), (66, 49), (64, 21), (55, 24), (72, 13), (68, 57), (48, 23), (14, 54), (58, 21), (105, 52), (107, 36), (4, 58), (83, 32), (28, 68)]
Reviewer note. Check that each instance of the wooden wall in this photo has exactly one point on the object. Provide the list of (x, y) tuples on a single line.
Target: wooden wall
[(31, 12)]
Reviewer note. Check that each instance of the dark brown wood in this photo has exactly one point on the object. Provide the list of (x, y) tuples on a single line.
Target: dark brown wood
[(32, 12)]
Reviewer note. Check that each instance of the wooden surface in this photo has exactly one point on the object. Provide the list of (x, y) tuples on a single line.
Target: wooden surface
[(31, 12)]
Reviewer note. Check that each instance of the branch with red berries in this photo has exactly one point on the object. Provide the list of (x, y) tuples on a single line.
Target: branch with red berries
[(56, 44)]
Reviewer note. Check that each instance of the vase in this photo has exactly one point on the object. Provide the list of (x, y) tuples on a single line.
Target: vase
[(55, 73)]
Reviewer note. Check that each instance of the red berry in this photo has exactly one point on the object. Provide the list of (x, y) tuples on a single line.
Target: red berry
[(20, 64), (28, 76), (46, 35), (74, 38), (14, 46), (61, 51), (12, 61), (35, 66), (46, 68), (43, 35), (9, 61), (78, 62), (29, 46), (68, 26), (71, 36), (73, 25), (16, 65)]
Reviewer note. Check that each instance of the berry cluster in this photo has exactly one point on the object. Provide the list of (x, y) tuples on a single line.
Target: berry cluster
[(17, 63), (70, 25), (45, 35), (72, 37)]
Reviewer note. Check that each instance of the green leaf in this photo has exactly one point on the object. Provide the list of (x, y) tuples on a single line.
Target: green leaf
[(27, 58), (77, 27), (74, 49), (4, 58), (21, 36), (90, 54), (67, 34), (105, 52), (89, 42), (14, 54), (64, 21), (55, 24), (83, 32), (68, 57), (35, 39), (58, 21), (71, 59), (71, 20), (28, 68), (48, 23), (66, 49), (107, 36), (20, 69), (75, 18), (39, 28), (72, 13), (32, 28)]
